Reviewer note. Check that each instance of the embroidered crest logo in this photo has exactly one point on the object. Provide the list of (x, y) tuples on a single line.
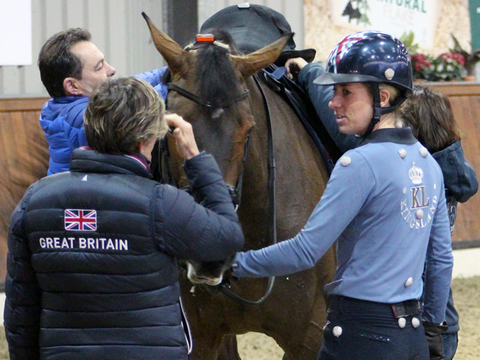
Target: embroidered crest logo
[(418, 211), (80, 220), (415, 174)]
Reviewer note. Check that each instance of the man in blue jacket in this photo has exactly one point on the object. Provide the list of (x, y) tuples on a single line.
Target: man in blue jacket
[(71, 67)]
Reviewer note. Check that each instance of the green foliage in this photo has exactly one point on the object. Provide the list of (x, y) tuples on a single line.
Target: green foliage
[(409, 41), (470, 58)]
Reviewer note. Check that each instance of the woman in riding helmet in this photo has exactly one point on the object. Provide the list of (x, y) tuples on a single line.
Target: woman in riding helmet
[(385, 205)]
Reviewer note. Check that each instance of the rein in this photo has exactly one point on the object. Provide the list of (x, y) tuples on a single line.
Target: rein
[(272, 206)]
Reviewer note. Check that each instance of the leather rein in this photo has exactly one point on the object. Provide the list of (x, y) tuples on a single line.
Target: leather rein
[(235, 191)]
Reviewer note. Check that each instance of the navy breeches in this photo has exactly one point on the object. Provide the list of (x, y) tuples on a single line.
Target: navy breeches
[(364, 330)]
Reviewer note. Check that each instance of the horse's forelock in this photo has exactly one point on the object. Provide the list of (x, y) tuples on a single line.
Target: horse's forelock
[(217, 81)]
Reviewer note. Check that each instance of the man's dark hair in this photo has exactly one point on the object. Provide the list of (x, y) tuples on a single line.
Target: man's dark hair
[(56, 62)]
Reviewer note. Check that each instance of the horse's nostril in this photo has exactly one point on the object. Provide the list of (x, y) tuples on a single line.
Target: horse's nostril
[(205, 280)]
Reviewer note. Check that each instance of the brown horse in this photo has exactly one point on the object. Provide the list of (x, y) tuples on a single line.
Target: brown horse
[(209, 87)]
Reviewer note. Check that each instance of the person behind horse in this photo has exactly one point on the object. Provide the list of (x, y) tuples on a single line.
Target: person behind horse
[(384, 204), (92, 262), (71, 67), (429, 114)]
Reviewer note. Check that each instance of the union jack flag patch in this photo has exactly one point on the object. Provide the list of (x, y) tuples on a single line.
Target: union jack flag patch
[(80, 220)]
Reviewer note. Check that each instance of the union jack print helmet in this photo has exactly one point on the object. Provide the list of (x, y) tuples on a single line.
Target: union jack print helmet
[(369, 56)]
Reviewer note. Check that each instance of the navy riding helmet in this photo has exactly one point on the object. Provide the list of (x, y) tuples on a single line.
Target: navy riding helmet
[(370, 57)]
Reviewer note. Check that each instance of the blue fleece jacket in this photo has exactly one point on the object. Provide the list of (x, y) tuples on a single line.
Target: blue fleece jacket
[(62, 121)]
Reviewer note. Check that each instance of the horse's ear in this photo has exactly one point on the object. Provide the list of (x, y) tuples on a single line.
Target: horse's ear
[(170, 50), (256, 61)]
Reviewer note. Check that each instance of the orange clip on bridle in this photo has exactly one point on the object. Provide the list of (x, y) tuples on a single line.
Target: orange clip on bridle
[(205, 38)]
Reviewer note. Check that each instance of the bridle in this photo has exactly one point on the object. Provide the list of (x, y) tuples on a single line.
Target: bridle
[(225, 288), (191, 96), (235, 191)]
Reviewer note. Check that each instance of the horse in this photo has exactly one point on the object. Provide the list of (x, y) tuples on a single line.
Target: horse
[(277, 176)]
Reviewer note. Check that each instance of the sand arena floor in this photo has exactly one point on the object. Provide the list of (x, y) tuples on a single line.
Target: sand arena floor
[(466, 294)]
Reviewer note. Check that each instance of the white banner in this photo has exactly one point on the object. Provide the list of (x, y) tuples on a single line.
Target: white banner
[(15, 32), (392, 16)]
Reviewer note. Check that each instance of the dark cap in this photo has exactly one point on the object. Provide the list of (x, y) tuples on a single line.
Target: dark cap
[(254, 26)]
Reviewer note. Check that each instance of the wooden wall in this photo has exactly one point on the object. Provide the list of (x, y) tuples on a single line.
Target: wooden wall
[(465, 100), (23, 159)]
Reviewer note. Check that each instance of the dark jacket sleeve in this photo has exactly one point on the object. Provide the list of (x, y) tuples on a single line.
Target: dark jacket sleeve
[(320, 96), (460, 178), (22, 305), (206, 229)]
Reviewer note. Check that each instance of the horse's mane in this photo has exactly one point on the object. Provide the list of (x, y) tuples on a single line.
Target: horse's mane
[(217, 81)]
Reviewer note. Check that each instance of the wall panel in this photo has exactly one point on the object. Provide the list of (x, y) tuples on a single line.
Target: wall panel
[(118, 29), (24, 158), (33, 85), (75, 14)]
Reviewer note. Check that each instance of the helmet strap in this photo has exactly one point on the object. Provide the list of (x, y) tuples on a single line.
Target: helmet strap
[(378, 110)]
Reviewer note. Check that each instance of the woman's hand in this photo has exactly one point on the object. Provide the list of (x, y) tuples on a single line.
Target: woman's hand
[(294, 66), (183, 134)]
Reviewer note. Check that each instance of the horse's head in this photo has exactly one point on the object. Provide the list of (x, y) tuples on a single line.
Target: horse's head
[(208, 89)]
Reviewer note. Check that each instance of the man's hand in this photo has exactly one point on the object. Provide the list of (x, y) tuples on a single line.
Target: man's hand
[(183, 134)]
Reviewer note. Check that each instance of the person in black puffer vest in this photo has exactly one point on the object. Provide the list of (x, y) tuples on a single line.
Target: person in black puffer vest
[(92, 262)]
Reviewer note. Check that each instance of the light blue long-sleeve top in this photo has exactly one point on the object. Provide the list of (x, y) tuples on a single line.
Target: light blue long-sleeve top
[(385, 203)]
